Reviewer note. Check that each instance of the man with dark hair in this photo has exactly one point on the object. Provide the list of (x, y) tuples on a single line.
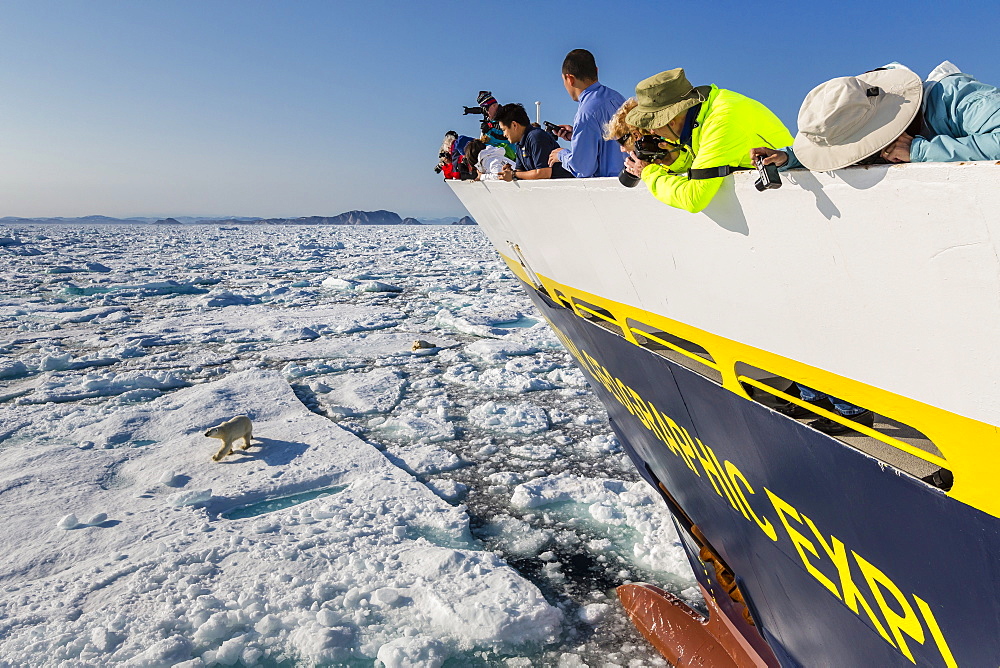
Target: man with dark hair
[(589, 154), (533, 146)]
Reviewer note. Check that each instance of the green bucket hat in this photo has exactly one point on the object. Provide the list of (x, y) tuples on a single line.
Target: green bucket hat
[(662, 97)]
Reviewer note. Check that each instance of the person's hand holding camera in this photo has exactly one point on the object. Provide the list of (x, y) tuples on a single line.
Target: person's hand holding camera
[(507, 173), (564, 132), (768, 156), (634, 165)]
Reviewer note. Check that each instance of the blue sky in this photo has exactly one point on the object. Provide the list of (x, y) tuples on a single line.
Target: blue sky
[(303, 107)]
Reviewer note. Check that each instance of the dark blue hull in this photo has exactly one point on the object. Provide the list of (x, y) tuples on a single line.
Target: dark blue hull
[(842, 560)]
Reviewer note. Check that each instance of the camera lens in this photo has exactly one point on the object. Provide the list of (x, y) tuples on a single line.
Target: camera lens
[(628, 179)]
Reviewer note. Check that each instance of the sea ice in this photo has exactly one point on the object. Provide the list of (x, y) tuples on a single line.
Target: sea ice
[(449, 490), (372, 345), (338, 542), (447, 319), (424, 458), (377, 495), (361, 393), (523, 418), (538, 451), (499, 351), (191, 498), (419, 426), (606, 504)]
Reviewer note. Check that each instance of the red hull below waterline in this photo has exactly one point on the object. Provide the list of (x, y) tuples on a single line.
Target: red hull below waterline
[(683, 636)]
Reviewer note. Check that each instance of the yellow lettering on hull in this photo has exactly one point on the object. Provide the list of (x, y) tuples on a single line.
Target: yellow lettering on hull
[(896, 620)]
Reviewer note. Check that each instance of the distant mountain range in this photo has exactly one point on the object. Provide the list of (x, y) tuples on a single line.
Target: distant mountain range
[(380, 217)]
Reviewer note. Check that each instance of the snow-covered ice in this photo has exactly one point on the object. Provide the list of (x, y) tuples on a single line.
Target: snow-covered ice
[(465, 504)]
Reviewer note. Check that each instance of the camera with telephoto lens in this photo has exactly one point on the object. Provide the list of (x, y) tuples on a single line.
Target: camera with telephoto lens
[(625, 177), (485, 125), (647, 148), (767, 176), (628, 179), (551, 127)]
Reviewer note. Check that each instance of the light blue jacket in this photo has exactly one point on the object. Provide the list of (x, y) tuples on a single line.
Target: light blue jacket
[(961, 122)]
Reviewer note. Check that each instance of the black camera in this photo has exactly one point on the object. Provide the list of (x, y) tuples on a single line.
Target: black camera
[(485, 124), (551, 127), (767, 176), (647, 148)]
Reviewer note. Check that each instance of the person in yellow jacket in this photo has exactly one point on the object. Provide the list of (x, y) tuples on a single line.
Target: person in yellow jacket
[(709, 132)]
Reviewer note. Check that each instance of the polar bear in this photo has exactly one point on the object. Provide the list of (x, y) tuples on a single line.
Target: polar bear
[(229, 431), (419, 344)]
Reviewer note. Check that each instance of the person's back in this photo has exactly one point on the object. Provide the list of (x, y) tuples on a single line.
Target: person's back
[(962, 120), (589, 154), (730, 126)]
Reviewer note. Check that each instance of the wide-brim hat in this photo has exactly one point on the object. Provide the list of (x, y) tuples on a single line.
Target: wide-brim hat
[(663, 97), (847, 119)]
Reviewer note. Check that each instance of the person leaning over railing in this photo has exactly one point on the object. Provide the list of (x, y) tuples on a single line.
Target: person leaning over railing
[(888, 115), (617, 127), (712, 129), (489, 161)]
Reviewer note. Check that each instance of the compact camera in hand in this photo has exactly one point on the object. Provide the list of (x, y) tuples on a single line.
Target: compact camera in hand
[(767, 178)]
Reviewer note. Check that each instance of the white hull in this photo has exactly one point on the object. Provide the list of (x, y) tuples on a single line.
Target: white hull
[(880, 285), (888, 275)]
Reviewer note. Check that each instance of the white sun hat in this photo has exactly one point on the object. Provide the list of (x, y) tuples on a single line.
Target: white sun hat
[(848, 119)]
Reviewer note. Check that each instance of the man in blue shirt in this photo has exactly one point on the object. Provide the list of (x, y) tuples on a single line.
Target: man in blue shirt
[(589, 153), (533, 146)]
